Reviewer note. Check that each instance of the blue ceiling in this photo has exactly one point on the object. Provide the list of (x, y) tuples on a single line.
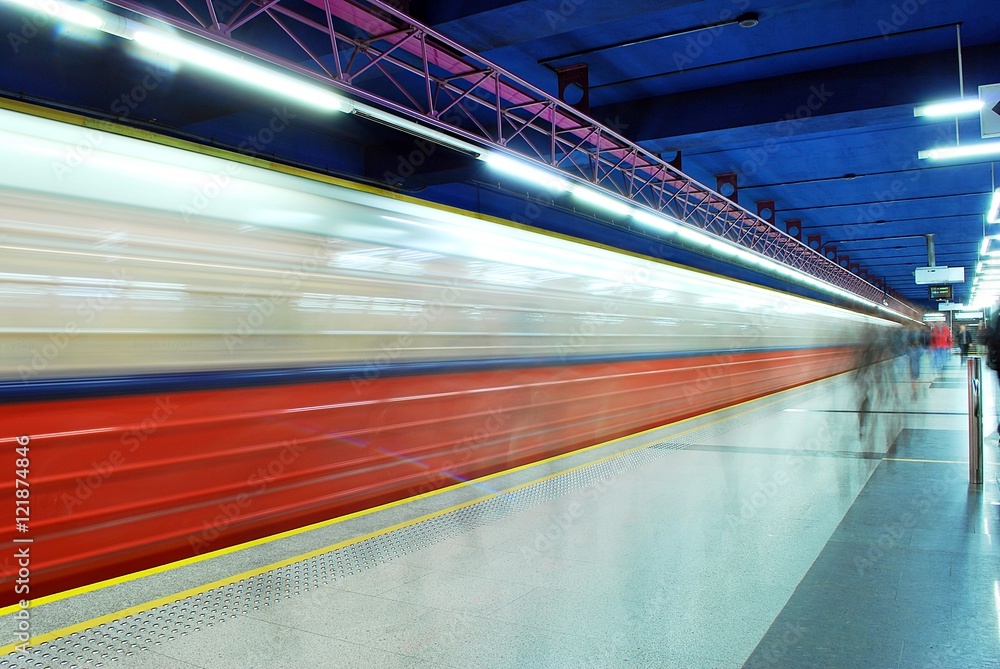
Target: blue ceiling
[(811, 108)]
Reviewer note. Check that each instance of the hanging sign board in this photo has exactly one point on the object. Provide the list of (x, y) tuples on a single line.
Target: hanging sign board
[(989, 115), (939, 274)]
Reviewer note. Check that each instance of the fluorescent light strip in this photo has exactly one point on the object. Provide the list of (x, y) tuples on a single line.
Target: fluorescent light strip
[(729, 250), (525, 171), (249, 73), (994, 213), (984, 247), (661, 223), (73, 14), (967, 151), (406, 125), (950, 108), (601, 200), (80, 14), (174, 46)]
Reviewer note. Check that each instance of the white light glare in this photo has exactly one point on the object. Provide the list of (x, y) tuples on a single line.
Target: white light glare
[(950, 108), (523, 170), (173, 47), (63, 12), (984, 248), (994, 214), (661, 223), (967, 151), (990, 271), (600, 200)]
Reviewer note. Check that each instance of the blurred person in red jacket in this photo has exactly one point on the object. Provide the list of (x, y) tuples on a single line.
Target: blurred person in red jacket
[(940, 346)]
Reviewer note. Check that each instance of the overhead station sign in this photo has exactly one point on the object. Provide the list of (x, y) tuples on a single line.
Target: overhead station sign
[(989, 115), (940, 292), (939, 275)]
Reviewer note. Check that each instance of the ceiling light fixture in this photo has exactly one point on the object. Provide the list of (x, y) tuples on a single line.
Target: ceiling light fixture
[(661, 223), (231, 65), (967, 151), (993, 216), (73, 14), (525, 171), (949, 108), (241, 70), (80, 14), (412, 127), (984, 247), (613, 205)]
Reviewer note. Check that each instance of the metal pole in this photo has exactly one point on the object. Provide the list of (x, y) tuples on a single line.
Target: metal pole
[(975, 367), (961, 78)]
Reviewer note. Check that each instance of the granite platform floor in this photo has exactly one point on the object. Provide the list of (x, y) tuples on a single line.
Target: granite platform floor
[(828, 526)]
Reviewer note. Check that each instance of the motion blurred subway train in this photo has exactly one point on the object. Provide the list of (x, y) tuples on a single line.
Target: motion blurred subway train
[(196, 352)]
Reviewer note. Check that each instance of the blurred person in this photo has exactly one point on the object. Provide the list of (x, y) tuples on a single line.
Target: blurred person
[(991, 338), (949, 345), (964, 342), (875, 376), (916, 341), (940, 345), (864, 376)]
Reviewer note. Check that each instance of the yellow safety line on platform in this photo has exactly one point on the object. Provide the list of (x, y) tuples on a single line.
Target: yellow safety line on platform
[(197, 590)]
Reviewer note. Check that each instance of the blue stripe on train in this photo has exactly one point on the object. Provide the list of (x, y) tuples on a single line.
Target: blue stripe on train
[(33, 390)]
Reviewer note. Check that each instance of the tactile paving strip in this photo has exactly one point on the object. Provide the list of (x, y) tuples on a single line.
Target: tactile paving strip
[(105, 644)]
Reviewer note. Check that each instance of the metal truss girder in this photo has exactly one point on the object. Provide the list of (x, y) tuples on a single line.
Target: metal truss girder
[(393, 44)]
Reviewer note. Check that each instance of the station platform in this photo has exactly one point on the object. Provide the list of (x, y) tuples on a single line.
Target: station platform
[(832, 525)]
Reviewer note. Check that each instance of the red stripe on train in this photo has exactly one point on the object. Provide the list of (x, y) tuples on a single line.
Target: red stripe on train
[(121, 484)]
